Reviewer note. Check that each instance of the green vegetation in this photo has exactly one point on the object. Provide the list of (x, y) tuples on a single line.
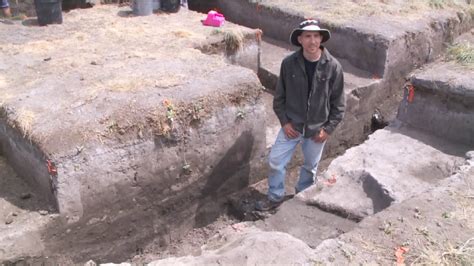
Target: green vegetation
[(437, 3), (445, 3)]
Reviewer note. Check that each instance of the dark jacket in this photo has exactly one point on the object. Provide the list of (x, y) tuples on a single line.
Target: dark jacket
[(326, 104)]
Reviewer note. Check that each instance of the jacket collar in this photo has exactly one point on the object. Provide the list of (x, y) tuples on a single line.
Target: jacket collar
[(325, 57)]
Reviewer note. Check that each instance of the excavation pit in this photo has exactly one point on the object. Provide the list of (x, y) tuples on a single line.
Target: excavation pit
[(131, 131), (374, 42), (151, 125)]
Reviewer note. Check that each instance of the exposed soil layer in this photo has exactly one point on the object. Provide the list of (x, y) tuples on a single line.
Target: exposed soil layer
[(443, 96), (146, 132)]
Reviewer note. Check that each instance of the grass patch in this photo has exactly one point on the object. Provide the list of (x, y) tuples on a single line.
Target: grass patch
[(26, 119), (437, 3), (462, 53), (20, 16), (471, 11), (234, 40), (182, 33), (449, 255)]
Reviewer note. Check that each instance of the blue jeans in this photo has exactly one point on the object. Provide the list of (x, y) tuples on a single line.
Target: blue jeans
[(280, 156)]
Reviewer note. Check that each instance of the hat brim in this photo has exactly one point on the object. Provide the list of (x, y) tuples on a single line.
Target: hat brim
[(297, 32)]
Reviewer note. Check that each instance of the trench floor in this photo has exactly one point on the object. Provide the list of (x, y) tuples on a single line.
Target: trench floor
[(22, 215)]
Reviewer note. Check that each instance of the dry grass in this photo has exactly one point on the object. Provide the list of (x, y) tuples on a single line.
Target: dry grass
[(234, 40), (448, 255), (182, 33), (465, 201), (127, 84), (3, 82), (171, 80), (41, 47), (438, 3), (139, 83), (462, 53), (25, 119), (4, 95), (341, 10)]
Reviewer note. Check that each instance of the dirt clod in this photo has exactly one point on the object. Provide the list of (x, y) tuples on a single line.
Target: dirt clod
[(25, 196), (9, 219)]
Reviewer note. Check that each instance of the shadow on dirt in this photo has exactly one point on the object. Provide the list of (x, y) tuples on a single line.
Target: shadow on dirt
[(438, 143), (31, 22), (16, 191), (125, 13), (230, 175), (380, 197), (129, 225)]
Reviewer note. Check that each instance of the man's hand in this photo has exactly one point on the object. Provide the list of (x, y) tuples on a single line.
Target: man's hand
[(290, 131), (321, 137)]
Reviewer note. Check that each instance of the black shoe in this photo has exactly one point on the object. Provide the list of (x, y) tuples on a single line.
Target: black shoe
[(266, 205)]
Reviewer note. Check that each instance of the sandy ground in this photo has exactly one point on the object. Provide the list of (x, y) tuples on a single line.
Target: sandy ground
[(434, 228)]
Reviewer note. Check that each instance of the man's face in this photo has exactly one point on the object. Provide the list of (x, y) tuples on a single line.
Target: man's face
[(310, 40)]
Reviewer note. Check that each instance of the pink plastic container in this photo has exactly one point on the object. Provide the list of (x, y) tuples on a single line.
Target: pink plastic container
[(214, 19)]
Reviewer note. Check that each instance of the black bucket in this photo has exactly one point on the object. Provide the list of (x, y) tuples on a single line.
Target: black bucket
[(49, 12), (171, 6)]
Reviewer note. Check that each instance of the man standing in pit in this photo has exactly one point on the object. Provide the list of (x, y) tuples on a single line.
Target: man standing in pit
[(309, 102), (5, 8)]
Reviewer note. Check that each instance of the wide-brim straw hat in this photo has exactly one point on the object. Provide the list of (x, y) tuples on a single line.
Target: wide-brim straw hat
[(309, 25)]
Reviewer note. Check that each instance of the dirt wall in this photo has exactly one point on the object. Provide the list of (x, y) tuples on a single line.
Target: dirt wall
[(147, 139), (27, 159), (143, 191), (424, 43), (441, 102), (355, 127), (278, 24), (114, 199)]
